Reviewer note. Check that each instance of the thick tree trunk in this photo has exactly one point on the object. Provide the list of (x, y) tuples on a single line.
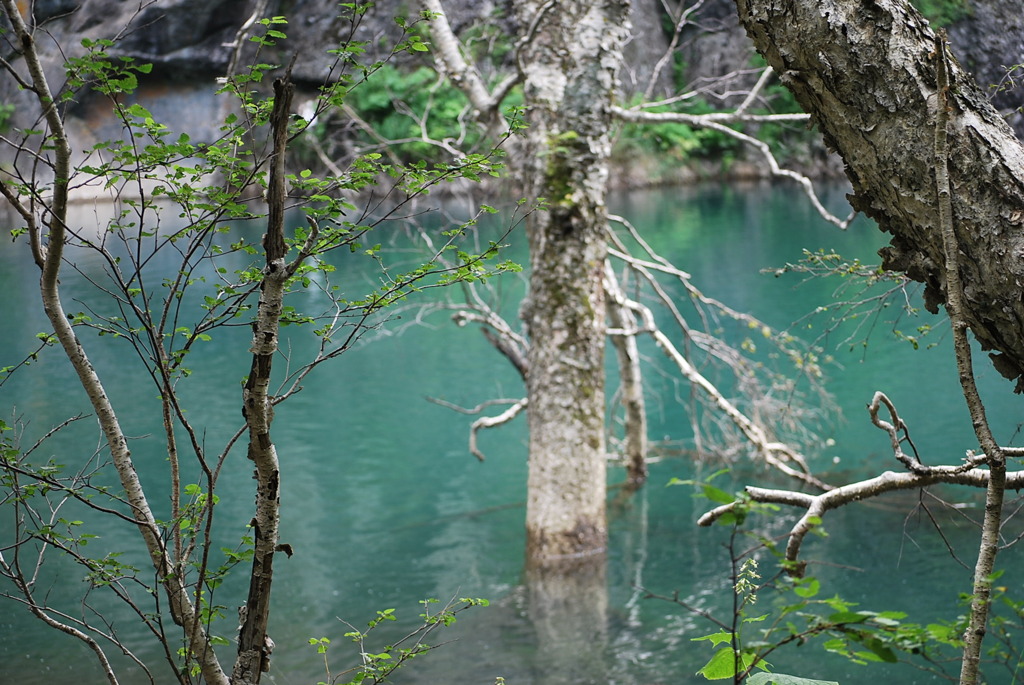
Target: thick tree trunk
[(570, 71), (866, 71)]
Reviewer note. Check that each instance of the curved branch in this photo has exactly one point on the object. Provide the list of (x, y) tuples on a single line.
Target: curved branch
[(887, 481), (919, 476), (718, 121), (492, 421), (453, 64)]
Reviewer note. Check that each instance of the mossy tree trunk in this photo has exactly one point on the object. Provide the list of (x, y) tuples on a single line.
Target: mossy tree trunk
[(570, 70)]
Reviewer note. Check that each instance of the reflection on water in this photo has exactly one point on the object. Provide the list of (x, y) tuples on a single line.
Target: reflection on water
[(384, 506)]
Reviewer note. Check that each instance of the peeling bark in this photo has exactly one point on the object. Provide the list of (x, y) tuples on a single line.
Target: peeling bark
[(866, 71), (254, 645)]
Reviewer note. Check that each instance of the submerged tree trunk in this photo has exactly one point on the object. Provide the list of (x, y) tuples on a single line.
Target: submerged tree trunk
[(567, 605), (570, 70), (631, 387), (866, 71)]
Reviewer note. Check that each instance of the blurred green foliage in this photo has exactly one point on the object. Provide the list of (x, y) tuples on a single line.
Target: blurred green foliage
[(943, 12)]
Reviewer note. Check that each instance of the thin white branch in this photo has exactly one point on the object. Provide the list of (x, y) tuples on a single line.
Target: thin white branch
[(490, 422), (633, 261), (887, 481), (452, 63), (670, 52), (762, 81), (238, 43), (718, 121), (919, 476), (775, 453)]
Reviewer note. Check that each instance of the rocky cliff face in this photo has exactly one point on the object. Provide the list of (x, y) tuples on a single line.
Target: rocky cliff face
[(989, 43), (190, 44)]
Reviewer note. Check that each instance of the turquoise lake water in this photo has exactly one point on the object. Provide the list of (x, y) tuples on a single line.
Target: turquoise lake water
[(384, 505)]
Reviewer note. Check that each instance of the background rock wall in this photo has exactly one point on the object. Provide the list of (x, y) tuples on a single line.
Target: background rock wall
[(189, 43)]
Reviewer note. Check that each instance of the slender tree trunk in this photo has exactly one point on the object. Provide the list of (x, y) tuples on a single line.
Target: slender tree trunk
[(570, 71), (631, 388), (254, 646), (994, 494), (50, 258), (866, 71)]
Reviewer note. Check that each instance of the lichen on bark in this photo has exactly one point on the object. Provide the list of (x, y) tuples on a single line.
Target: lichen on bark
[(570, 72)]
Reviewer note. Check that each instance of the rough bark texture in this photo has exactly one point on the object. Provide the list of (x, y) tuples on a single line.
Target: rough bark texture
[(866, 71), (570, 78), (254, 646)]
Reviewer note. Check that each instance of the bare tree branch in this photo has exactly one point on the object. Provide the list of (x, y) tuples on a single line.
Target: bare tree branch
[(453, 63), (490, 422), (919, 476), (718, 121), (631, 388), (773, 452)]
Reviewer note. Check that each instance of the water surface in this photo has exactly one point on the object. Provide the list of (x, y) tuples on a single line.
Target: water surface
[(384, 506)]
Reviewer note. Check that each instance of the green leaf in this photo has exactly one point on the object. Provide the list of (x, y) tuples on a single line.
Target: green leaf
[(716, 638), (783, 679), (717, 494), (807, 587), (880, 650), (723, 664)]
